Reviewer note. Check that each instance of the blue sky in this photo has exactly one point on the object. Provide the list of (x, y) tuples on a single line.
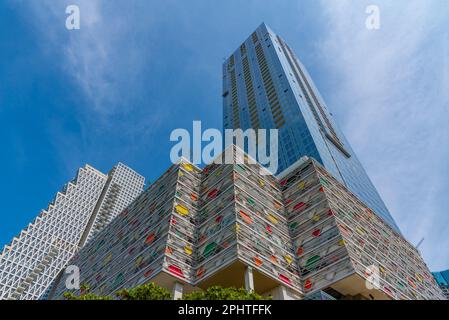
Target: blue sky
[(115, 89)]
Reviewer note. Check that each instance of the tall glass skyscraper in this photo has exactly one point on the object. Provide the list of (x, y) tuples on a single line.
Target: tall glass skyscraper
[(266, 86)]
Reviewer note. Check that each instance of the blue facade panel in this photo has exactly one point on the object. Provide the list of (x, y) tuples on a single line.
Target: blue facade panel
[(442, 278)]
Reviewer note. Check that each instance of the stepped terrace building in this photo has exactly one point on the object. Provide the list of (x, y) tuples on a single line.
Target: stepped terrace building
[(33, 259), (299, 235)]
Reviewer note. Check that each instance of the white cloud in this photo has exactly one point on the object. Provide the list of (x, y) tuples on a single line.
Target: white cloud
[(390, 93), (106, 63), (104, 57)]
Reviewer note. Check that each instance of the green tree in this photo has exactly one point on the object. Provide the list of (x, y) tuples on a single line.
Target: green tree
[(148, 291), (151, 291), (220, 293), (85, 295)]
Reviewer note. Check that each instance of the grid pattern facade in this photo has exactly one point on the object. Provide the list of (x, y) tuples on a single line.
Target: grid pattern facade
[(266, 86), (31, 262), (304, 232), (122, 187), (35, 257)]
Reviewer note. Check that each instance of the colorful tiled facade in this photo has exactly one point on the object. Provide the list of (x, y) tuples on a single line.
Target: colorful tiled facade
[(338, 240), (299, 234)]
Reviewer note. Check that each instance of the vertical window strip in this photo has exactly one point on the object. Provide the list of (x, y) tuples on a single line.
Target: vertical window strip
[(235, 102), (251, 98), (270, 90)]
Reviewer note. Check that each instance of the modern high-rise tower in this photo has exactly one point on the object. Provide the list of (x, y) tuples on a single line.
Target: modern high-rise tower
[(122, 187), (266, 86), (33, 259)]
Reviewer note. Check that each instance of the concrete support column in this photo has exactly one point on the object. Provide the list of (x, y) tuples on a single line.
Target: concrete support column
[(249, 279), (281, 293), (178, 288)]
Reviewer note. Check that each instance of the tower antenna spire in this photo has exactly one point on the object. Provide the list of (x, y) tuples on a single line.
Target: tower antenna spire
[(419, 243)]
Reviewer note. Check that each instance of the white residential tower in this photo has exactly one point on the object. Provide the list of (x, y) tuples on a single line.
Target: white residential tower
[(33, 259)]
